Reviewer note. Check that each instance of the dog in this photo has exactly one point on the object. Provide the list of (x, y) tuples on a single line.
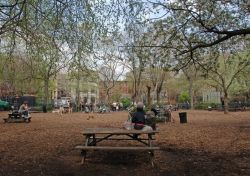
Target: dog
[(91, 115), (70, 110), (60, 111)]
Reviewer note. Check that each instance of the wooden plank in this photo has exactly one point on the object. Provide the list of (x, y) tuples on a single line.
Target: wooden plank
[(13, 120), (123, 139), (117, 131), (115, 148)]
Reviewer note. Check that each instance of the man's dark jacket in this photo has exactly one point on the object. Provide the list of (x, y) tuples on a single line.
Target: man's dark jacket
[(139, 116)]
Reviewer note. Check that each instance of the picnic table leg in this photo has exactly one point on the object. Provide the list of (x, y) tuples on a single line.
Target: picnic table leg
[(150, 140), (151, 153), (83, 153), (92, 140), (87, 140)]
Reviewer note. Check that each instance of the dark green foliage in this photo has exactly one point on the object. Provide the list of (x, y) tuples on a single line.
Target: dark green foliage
[(126, 101), (184, 97), (206, 105)]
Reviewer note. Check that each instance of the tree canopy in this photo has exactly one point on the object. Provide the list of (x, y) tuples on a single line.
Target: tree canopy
[(46, 37)]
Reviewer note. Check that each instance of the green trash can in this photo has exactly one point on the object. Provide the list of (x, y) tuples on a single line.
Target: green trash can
[(183, 117)]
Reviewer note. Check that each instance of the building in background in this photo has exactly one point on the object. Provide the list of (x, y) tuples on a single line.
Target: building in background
[(212, 97), (88, 90), (120, 89)]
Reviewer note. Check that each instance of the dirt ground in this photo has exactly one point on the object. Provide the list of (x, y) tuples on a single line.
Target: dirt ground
[(211, 143)]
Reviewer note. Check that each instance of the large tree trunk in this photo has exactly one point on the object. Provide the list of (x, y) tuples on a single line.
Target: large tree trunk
[(226, 100), (191, 93), (158, 91), (46, 91), (107, 98), (149, 96), (135, 92), (77, 93), (158, 96), (46, 94), (159, 86)]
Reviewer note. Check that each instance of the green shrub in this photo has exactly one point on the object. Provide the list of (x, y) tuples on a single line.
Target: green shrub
[(126, 101), (184, 97), (205, 105)]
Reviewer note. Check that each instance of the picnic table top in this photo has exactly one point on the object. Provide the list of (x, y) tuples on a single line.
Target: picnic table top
[(111, 130)]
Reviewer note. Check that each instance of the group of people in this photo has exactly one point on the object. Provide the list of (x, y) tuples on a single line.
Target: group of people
[(24, 110), (87, 107), (116, 106)]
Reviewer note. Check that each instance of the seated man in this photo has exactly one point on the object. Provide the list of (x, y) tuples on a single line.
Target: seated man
[(138, 118), (23, 110)]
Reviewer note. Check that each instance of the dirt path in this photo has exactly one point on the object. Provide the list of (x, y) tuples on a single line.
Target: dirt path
[(211, 143)]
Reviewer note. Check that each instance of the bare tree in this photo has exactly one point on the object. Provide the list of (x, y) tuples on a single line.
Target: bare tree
[(110, 71)]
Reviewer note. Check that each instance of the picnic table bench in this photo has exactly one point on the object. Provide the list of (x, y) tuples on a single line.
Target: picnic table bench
[(93, 136), (16, 117)]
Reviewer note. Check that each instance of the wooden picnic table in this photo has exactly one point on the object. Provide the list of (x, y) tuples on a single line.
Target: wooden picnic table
[(95, 136)]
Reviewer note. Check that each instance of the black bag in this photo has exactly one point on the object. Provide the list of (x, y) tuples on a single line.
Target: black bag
[(138, 126)]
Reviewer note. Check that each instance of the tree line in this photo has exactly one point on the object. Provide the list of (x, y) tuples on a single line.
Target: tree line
[(206, 40)]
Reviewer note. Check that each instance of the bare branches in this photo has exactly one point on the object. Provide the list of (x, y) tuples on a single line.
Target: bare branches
[(10, 15)]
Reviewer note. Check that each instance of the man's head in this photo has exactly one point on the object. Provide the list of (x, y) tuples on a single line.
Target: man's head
[(140, 105)]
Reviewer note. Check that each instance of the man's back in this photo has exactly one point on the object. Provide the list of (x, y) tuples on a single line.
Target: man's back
[(138, 117)]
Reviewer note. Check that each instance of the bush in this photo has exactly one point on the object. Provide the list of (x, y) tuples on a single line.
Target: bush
[(184, 97), (126, 102), (206, 105)]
